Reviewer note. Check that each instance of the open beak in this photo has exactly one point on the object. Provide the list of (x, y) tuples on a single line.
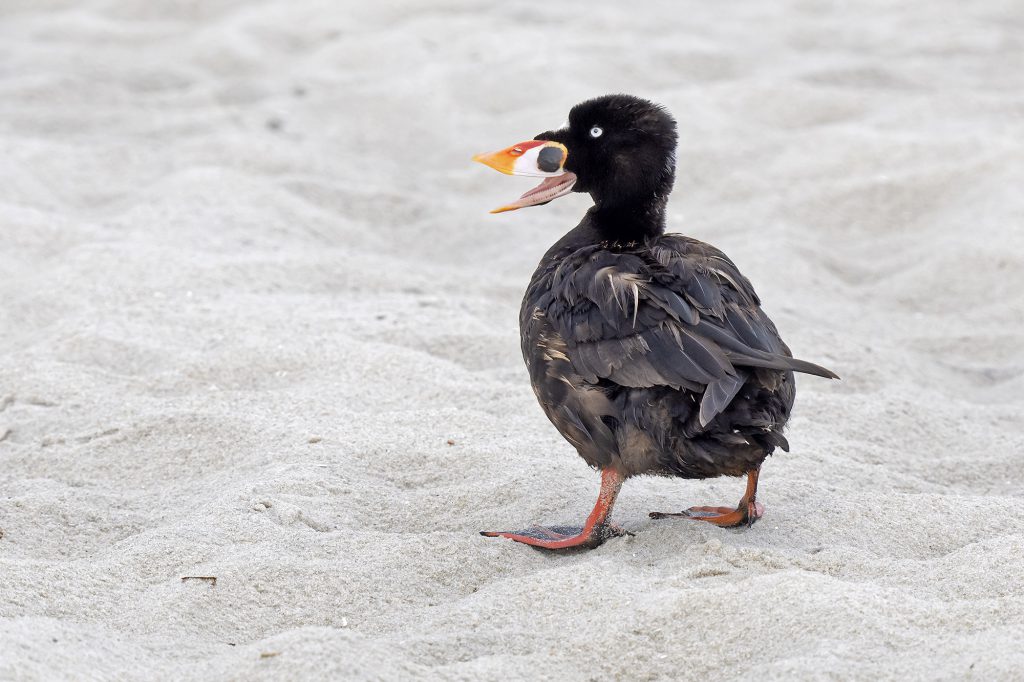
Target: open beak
[(537, 158)]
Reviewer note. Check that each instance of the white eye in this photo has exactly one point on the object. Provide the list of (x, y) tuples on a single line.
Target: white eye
[(596, 132)]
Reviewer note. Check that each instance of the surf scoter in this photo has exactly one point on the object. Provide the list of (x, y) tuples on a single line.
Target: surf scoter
[(648, 351)]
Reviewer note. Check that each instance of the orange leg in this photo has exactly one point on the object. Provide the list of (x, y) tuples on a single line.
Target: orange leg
[(594, 532), (745, 513)]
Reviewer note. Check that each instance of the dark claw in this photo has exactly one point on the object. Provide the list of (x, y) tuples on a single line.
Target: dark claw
[(609, 531)]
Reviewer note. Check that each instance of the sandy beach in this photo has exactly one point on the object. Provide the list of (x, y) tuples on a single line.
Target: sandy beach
[(257, 325)]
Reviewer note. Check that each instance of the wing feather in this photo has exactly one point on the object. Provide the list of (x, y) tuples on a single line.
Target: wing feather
[(678, 314)]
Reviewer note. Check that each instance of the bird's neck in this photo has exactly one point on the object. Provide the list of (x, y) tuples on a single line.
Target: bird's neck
[(629, 221)]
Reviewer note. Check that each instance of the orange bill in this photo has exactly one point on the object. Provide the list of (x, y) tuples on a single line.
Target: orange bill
[(536, 158)]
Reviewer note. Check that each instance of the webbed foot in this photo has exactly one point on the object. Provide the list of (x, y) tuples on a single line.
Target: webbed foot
[(726, 517), (746, 512), (560, 537), (594, 532)]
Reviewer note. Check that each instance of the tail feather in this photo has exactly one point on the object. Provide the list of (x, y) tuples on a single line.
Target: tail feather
[(740, 354), (783, 362)]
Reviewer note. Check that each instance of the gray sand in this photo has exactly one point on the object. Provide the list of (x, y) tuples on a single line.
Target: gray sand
[(256, 323)]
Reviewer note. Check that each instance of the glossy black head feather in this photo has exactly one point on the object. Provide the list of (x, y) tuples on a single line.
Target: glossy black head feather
[(622, 149)]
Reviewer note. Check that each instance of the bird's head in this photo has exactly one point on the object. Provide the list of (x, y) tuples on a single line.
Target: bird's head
[(618, 148)]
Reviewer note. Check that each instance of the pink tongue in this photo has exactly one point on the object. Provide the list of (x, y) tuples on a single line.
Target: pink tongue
[(547, 184), (550, 188)]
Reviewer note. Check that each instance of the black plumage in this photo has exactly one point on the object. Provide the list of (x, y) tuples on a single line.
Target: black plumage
[(648, 351)]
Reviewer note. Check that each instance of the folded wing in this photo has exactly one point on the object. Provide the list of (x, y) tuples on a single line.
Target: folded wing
[(681, 315)]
